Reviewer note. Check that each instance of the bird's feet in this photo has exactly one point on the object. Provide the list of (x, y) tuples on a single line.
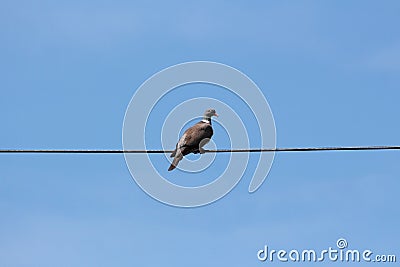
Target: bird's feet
[(202, 151)]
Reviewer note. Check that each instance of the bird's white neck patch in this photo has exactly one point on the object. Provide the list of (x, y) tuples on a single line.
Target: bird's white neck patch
[(206, 121)]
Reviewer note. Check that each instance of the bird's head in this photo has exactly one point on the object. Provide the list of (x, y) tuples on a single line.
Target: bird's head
[(209, 113)]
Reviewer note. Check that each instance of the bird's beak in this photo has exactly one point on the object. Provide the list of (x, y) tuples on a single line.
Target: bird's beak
[(216, 115)]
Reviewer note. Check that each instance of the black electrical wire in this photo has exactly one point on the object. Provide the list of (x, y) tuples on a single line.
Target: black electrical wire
[(244, 150)]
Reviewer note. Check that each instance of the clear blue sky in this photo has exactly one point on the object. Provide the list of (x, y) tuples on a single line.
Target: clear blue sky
[(331, 74)]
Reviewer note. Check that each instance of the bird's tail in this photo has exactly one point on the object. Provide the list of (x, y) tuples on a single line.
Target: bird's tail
[(178, 157)]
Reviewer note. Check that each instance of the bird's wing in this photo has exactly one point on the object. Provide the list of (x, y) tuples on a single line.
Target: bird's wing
[(190, 139), (183, 141), (193, 136), (196, 133)]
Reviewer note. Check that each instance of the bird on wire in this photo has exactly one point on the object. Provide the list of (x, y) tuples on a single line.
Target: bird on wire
[(194, 138)]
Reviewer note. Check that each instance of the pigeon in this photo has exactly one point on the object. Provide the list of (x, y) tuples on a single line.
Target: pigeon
[(194, 138)]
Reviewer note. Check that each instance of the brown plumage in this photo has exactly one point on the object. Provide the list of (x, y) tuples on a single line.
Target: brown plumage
[(193, 139)]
